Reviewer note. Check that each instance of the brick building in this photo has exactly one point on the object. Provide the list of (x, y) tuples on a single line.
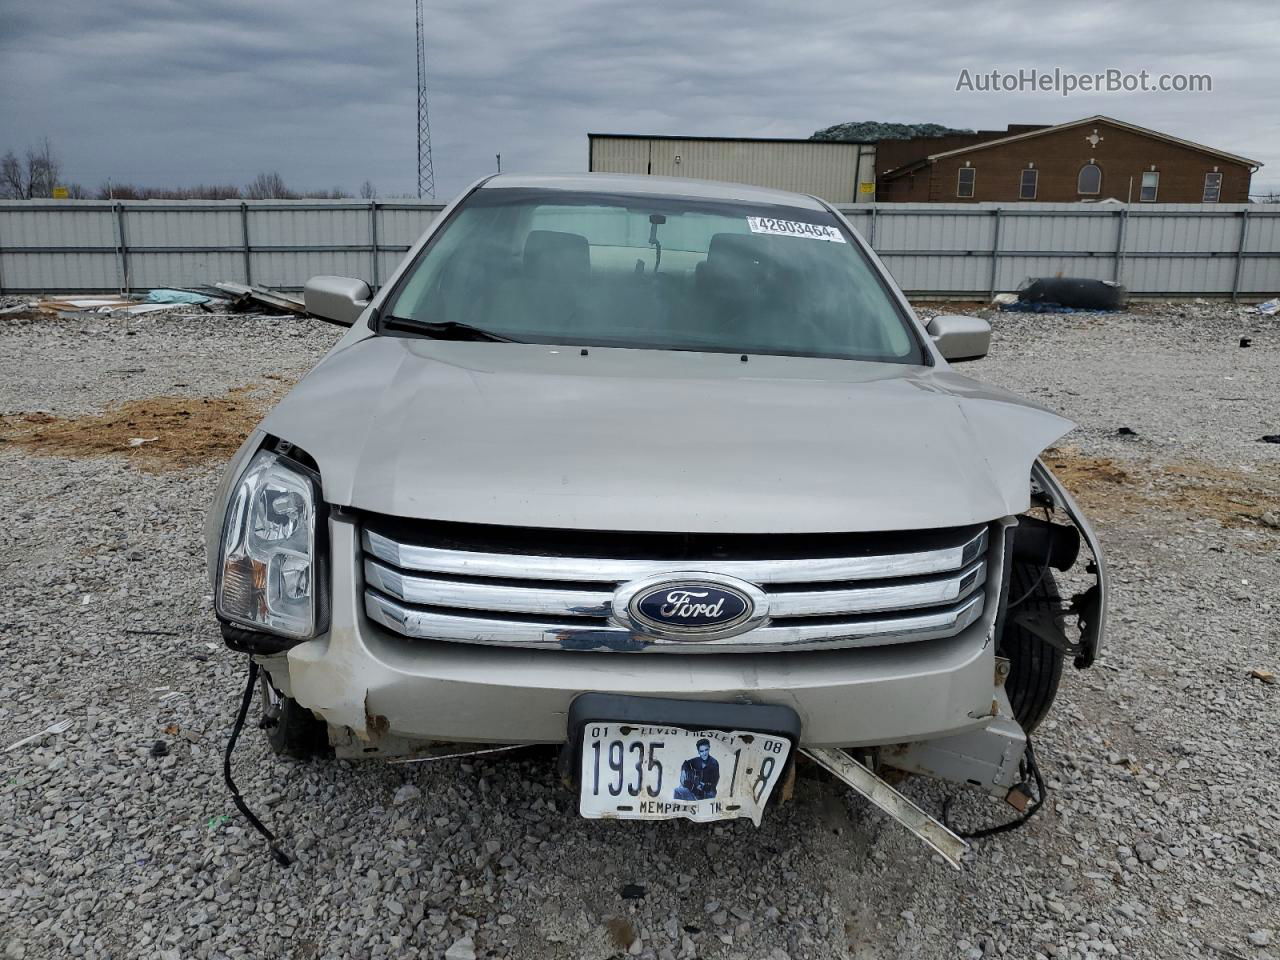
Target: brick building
[(1096, 158)]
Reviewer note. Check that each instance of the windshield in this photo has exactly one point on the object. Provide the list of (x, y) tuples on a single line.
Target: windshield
[(551, 266)]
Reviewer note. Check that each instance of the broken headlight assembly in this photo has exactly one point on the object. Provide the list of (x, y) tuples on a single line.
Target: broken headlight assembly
[(269, 566)]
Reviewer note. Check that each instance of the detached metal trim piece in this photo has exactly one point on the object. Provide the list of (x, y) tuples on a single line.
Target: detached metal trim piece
[(849, 771), (425, 624), (611, 570), (1093, 630)]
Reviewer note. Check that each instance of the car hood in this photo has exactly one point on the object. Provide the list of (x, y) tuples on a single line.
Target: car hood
[(624, 439)]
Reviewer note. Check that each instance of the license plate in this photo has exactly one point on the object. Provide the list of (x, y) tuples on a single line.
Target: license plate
[(655, 772)]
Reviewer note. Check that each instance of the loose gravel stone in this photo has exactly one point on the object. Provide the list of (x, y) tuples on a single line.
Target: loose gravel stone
[(1154, 756)]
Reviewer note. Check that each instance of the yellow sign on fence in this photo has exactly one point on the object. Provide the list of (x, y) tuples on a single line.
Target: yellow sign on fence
[(60, 193)]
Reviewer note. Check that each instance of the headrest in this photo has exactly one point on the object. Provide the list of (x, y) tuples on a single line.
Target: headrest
[(552, 254), (738, 247)]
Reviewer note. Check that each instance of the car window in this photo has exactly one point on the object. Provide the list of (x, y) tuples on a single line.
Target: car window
[(655, 272)]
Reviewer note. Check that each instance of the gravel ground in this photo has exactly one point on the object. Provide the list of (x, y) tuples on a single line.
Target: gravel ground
[(1159, 839)]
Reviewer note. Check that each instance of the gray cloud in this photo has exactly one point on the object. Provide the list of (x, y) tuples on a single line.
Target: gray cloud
[(178, 91)]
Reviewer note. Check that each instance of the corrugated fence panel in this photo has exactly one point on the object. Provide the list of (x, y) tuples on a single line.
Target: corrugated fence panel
[(150, 270), (1260, 272), (63, 246), (56, 272), (290, 270), (402, 226)]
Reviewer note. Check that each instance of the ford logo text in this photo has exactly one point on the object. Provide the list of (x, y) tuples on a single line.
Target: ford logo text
[(690, 607)]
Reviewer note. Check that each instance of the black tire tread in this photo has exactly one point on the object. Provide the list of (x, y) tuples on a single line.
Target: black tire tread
[(1035, 668)]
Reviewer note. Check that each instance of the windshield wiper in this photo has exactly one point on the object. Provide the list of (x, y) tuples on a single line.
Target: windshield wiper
[(447, 330)]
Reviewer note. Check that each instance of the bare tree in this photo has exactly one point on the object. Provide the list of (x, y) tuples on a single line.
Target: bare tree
[(269, 186), (34, 177), (12, 182), (368, 191)]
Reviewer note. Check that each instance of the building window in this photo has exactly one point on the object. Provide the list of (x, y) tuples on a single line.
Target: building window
[(1212, 188), (1027, 186), (1090, 179), (964, 181), (1150, 185)]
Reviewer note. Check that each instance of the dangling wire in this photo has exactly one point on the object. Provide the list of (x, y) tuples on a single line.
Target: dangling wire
[(280, 856), (1027, 767)]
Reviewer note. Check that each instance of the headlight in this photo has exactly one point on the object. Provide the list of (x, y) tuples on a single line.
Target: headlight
[(268, 572)]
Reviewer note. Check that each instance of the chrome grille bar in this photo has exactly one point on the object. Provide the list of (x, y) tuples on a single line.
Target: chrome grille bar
[(412, 557), (479, 595), (540, 598), (429, 624)]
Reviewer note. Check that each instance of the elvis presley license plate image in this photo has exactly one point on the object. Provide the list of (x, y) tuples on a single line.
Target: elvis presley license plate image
[(654, 772)]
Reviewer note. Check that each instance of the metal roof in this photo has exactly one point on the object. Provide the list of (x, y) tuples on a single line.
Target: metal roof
[(644, 185), (1096, 118), (646, 136)]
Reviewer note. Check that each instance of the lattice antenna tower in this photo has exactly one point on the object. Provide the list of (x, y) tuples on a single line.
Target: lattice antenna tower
[(426, 172)]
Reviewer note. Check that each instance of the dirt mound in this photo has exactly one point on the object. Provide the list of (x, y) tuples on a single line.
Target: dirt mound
[(1105, 488), (156, 433)]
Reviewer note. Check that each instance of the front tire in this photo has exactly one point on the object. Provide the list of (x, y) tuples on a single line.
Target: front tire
[(291, 729), (1035, 668)]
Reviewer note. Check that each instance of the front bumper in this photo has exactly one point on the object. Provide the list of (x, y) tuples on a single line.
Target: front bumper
[(389, 693)]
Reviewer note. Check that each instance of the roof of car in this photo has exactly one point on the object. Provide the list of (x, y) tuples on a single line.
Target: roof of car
[(653, 186)]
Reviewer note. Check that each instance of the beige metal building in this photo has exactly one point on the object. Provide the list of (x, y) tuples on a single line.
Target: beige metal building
[(836, 172)]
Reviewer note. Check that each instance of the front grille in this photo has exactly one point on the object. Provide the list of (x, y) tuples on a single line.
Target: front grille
[(553, 589)]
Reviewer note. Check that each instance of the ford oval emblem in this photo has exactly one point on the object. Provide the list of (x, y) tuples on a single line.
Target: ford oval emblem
[(691, 608)]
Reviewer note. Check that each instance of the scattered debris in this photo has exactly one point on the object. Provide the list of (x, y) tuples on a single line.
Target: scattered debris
[(159, 749), (62, 726), (1246, 341), (1068, 294), (139, 441), (632, 891), (252, 299), (1266, 676), (1270, 438), (172, 729), (1271, 519), (1270, 308), (219, 820), (1004, 299), (1126, 432), (167, 296)]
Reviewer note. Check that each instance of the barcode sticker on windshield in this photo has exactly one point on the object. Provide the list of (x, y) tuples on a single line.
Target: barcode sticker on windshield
[(794, 228)]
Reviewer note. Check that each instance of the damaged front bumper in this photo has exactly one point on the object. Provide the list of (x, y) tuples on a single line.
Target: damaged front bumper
[(386, 695)]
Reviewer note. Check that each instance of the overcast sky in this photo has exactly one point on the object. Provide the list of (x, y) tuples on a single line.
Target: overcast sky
[(175, 92)]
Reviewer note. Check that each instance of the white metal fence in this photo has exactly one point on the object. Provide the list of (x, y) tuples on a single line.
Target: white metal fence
[(52, 246)]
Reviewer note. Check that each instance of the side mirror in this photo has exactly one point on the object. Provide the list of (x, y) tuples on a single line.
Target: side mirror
[(338, 300), (960, 338)]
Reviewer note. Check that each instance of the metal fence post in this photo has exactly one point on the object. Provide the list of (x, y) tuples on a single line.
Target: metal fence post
[(1244, 237), (373, 242), (1, 256), (244, 243), (124, 249), (995, 252), (1121, 229), (871, 228)]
